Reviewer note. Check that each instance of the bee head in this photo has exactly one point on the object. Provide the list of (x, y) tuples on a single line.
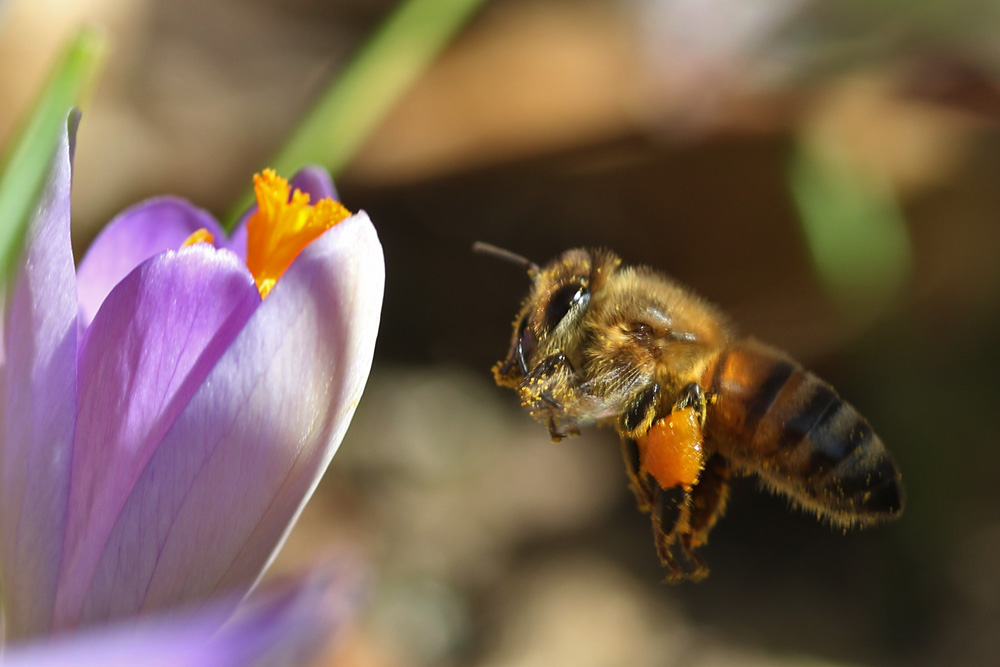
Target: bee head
[(559, 296)]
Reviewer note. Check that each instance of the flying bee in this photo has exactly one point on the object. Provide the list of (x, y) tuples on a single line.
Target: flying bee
[(599, 343)]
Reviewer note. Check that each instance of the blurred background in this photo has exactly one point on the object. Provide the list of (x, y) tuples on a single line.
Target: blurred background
[(824, 171)]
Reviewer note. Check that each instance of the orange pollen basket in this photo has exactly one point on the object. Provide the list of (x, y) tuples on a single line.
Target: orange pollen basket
[(672, 450), (284, 224)]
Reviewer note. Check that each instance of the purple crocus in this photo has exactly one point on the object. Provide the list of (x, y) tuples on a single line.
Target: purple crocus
[(289, 622), (163, 423)]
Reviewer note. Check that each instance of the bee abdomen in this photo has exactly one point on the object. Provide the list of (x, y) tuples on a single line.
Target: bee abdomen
[(774, 418)]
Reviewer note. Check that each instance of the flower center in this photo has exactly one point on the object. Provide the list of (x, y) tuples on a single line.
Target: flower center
[(284, 224)]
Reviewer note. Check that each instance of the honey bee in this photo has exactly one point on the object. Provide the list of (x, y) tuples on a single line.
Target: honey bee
[(599, 343)]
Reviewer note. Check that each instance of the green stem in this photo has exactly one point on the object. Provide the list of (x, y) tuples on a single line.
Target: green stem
[(26, 165), (380, 73)]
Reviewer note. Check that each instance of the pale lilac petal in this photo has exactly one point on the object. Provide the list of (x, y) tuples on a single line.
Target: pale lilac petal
[(38, 404), (284, 624), (238, 241), (254, 440), (135, 235), (314, 181), (290, 623), (156, 337)]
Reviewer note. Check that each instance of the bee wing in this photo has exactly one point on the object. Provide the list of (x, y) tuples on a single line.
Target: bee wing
[(610, 388)]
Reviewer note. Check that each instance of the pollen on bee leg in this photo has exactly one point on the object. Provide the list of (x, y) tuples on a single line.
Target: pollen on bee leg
[(672, 450), (200, 236)]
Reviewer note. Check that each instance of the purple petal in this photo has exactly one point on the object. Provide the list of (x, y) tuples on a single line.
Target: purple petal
[(135, 235), (154, 340), (38, 403), (230, 477), (284, 624), (313, 180), (289, 623)]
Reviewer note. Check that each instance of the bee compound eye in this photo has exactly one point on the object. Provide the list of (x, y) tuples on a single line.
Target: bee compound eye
[(562, 301), (525, 345)]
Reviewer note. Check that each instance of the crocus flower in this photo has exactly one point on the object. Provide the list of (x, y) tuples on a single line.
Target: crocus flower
[(163, 423), (289, 622)]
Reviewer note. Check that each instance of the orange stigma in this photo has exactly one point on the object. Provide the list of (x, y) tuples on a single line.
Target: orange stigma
[(284, 224)]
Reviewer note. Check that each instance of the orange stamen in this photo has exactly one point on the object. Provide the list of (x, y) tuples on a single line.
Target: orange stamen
[(284, 224), (200, 236)]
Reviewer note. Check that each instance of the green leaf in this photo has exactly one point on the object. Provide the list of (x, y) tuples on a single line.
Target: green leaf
[(26, 164), (853, 226)]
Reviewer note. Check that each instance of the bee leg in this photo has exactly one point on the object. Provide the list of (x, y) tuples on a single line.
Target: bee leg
[(549, 366), (670, 508), (539, 388), (682, 516), (645, 493), (692, 396), (682, 519), (671, 514), (635, 422), (708, 502), (641, 412)]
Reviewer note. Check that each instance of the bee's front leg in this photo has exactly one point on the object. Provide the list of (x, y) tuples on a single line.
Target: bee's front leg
[(550, 391)]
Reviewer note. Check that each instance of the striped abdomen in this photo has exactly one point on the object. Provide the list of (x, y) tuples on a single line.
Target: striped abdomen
[(769, 416)]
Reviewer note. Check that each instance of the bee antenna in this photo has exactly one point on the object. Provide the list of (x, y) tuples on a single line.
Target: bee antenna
[(505, 255)]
